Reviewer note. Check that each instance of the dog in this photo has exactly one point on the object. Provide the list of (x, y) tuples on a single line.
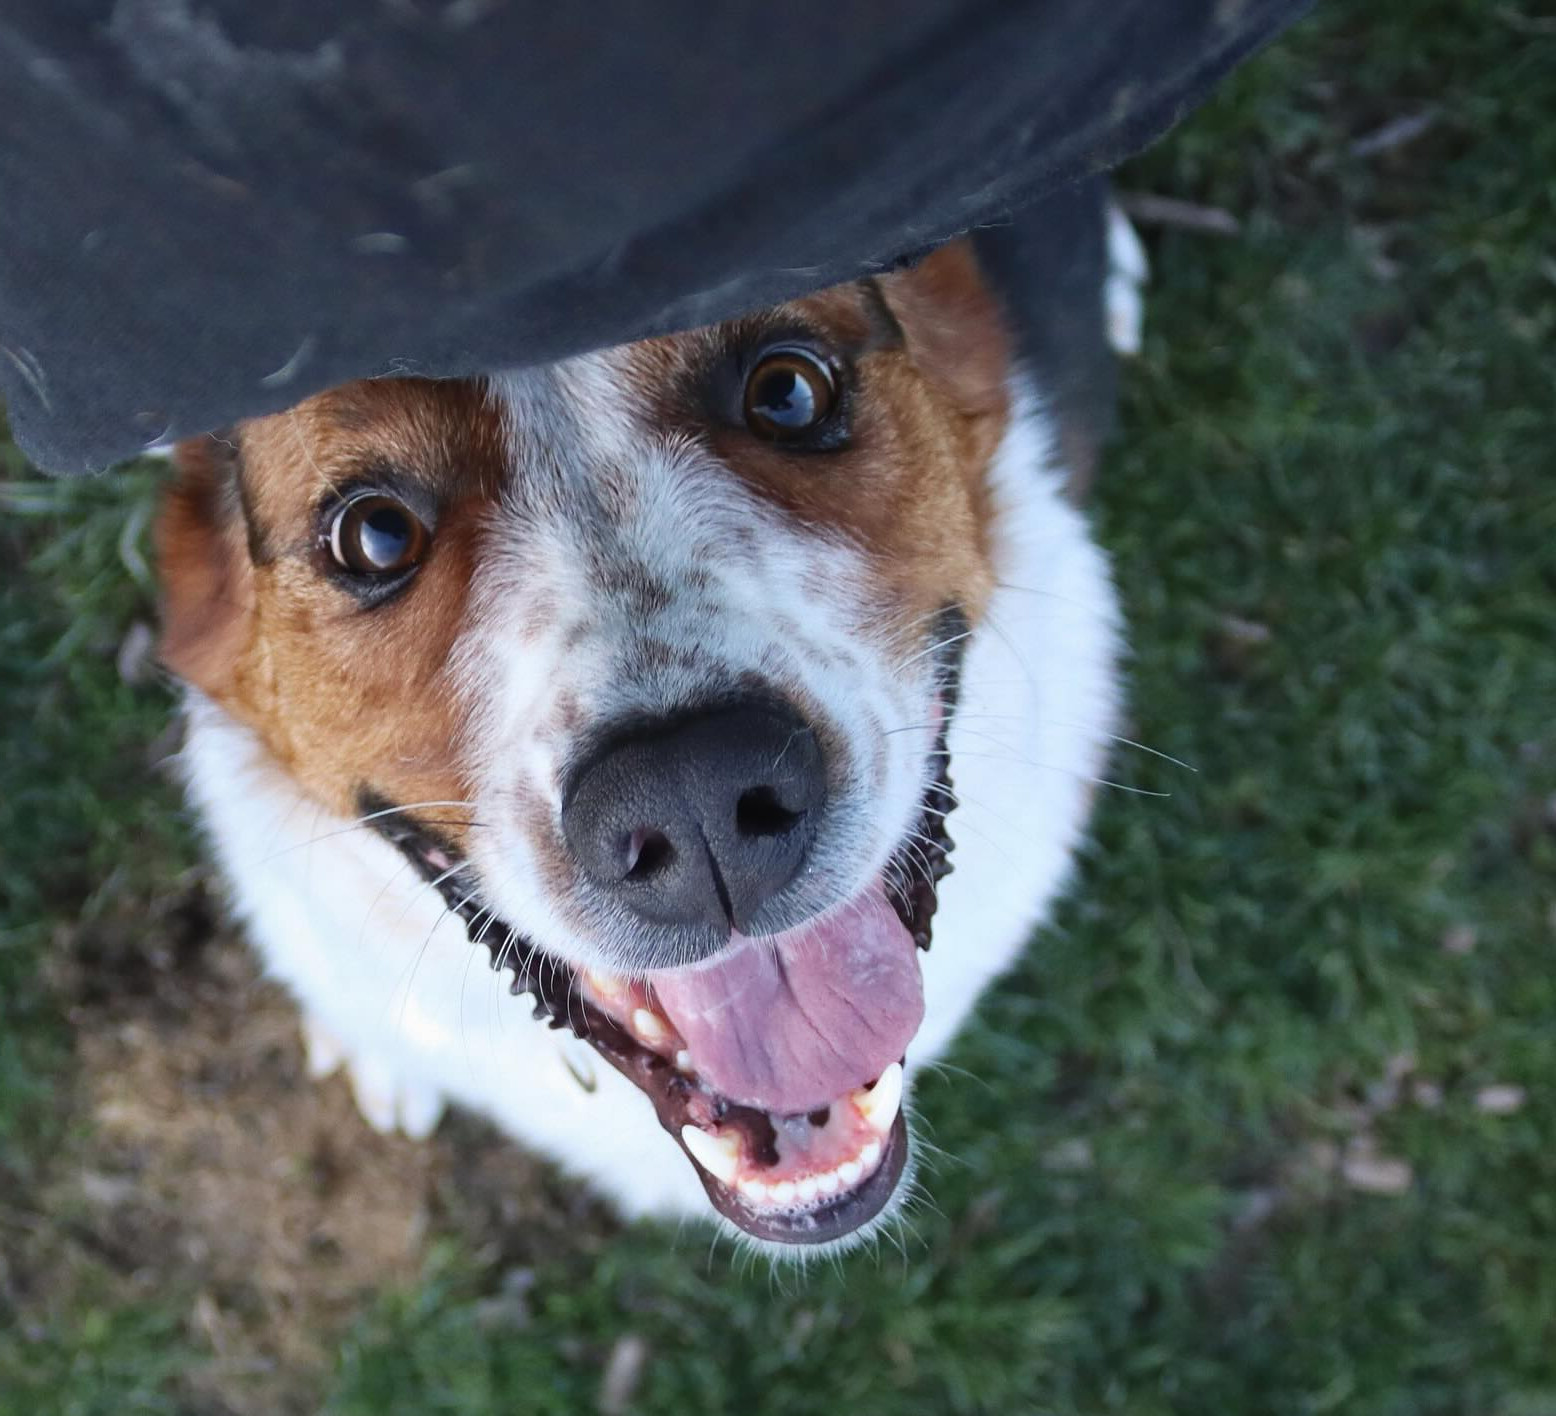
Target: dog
[(644, 677)]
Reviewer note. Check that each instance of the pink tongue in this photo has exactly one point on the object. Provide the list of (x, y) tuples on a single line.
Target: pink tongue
[(793, 1021)]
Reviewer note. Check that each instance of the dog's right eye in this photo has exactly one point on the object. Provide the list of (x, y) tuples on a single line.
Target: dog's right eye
[(377, 535)]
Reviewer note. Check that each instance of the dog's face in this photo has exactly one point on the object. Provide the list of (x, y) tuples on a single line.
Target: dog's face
[(645, 661)]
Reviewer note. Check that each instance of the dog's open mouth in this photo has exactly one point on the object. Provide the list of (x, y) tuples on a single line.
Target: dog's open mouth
[(777, 1066)]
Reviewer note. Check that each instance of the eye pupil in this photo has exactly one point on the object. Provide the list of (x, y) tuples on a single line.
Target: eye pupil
[(376, 535), (385, 534), (786, 398), (790, 392)]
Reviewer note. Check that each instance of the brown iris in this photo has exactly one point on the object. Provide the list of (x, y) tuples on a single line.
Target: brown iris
[(789, 394), (377, 535)]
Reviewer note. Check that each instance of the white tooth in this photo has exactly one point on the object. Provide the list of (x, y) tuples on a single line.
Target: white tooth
[(879, 1105), (783, 1192), (683, 1060), (806, 1189), (827, 1182), (870, 1154), (606, 985), (718, 1155), (754, 1190), (849, 1172), (648, 1026)]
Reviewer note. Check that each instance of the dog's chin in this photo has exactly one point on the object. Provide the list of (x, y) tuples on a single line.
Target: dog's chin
[(782, 1159), (818, 1219)]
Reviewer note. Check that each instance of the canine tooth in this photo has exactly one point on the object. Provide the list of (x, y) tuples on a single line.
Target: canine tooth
[(806, 1189), (683, 1061), (870, 1154), (648, 1026), (879, 1105), (849, 1172), (718, 1155), (755, 1190), (827, 1182), (783, 1192)]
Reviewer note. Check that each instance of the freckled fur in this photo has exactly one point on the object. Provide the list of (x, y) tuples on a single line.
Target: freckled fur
[(596, 557)]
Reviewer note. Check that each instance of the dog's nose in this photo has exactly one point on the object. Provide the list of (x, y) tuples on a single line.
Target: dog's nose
[(700, 820)]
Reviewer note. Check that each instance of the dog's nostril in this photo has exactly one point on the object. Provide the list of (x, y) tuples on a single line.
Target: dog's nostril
[(758, 812), (648, 853)]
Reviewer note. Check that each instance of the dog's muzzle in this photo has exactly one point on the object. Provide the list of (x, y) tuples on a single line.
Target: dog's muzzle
[(773, 1059)]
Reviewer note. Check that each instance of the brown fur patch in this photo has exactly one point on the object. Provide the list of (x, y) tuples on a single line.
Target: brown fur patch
[(926, 417), (341, 696), (204, 557)]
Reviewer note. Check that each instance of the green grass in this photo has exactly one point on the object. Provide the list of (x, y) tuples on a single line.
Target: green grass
[(80, 822), (1332, 514), (86, 828)]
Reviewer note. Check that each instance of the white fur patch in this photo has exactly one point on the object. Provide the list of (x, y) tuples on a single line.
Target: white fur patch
[(673, 584), (1123, 290)]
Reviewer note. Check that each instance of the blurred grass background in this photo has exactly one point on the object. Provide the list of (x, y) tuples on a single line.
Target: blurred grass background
[(1267, 1121)]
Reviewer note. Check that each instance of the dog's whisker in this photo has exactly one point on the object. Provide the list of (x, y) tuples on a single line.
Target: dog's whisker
[(508, 954), (459, 1010), (1068, 601), (949, 1069), (1030, 679), (448, 874), (346, 830), (383, 890), (1028, 722), (961, 717), (1142, 747), (409, 975), (412, 806), (422, 886), (937, 647), (912, 845), (480, 923), (1016, 759), (931, 616)]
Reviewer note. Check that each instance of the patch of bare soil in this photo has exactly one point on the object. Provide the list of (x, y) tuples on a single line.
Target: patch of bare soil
[(213, 1172)]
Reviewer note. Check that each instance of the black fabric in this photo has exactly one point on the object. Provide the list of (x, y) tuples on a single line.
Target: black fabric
[(211, 208), (1048, 264)]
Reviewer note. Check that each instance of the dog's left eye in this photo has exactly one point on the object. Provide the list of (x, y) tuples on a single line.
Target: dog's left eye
[(790, 394), (376, 535)]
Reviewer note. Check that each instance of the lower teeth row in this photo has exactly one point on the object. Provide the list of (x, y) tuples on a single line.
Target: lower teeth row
[(810, 1187)]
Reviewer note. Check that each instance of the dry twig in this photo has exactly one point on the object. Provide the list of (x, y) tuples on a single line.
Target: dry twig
[(1149, 209)]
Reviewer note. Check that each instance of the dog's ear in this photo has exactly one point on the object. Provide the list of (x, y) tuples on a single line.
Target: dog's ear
[(952, 327), (204, 564)]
